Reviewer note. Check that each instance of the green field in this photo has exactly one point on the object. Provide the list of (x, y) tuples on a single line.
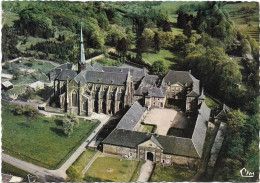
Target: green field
[(170, 174), (84, 159), (245, 20), (211, 103), (42, 142), (112, 169), (167, 56)]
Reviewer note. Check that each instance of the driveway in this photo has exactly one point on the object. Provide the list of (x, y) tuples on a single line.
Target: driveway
[(145, 171)]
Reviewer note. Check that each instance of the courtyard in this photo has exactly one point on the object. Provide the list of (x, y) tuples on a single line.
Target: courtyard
[(165, 119)]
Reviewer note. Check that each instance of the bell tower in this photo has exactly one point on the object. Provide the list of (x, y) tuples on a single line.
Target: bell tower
[(81, 62)]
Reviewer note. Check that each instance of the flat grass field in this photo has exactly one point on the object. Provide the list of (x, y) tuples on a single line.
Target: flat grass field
[(112, 169), (84, 159), (42, 142), (170, 58), (170, 174)]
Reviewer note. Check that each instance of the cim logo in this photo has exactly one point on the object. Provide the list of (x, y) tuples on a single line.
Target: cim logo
[(245, 173)]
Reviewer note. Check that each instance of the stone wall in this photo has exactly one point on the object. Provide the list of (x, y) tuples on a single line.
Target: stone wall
[(180, 160), (111, 149)]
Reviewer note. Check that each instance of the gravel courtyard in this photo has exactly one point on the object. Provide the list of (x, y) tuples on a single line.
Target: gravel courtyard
[(165, 119)]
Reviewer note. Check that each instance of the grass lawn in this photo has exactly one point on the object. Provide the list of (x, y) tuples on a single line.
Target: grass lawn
[(170, 174), (42, 142), (10, 169), (84, 159), (167, 56), (211, 103), (112, 169), (149, 128)]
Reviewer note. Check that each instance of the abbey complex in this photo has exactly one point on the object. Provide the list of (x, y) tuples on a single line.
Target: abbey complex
[(130, 90)]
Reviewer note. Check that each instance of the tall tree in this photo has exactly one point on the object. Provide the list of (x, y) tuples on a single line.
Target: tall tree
[(157, 45)]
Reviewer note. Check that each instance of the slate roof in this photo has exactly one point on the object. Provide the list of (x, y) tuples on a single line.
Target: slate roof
[(223, 112), (183, 77), (97, 67), (57, 70), (170, 144), (126, 138), (154, 140), (178, 146), (142, 91), (199, 133), (132, 117), (101, 77), (137, 74), (7, 84), (66, 75), (149, 81), (156, 92)]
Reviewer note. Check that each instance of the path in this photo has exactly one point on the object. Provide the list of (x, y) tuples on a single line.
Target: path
[(27, 58), (145, 171), (90, 162), (99, 57), (43, 173)]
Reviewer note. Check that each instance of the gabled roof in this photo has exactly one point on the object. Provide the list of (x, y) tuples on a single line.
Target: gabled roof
[(132, 117), (183, 77), (126, 138), (66, 75), (155, 92), (137, 74), (101, 77), (223, 112), (154, 140), (178, 146), (192, 94), (170, 144), (149, 80), (141, 91), (97, 67), (200, 129)]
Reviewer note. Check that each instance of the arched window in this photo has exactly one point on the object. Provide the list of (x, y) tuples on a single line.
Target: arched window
[(74, 98)]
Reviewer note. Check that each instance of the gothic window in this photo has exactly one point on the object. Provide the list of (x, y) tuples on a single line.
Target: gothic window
[(74, 98)]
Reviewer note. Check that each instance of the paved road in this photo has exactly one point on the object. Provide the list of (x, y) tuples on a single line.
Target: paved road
[(145, 171), (43, 173)]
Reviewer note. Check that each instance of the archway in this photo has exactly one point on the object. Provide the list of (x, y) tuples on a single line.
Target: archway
[(150, 156)]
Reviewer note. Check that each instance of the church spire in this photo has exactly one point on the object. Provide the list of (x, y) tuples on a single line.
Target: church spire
[(82, 51), (81, 63)]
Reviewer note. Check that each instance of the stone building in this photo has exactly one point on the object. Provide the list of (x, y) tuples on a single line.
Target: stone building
[(181, 85), (167, 150)]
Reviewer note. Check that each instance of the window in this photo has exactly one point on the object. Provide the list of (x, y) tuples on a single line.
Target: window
[(141, 151), (74, 98)]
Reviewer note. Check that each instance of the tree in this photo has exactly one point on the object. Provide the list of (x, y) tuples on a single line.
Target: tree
[(121, 47), (157, 45), (114, 34), (74, 174), (69, 123), (179, 42), (187, 30), (148, 34), (159, 67)]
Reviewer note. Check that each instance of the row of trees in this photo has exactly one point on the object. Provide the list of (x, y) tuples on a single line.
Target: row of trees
[(240, 147)]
